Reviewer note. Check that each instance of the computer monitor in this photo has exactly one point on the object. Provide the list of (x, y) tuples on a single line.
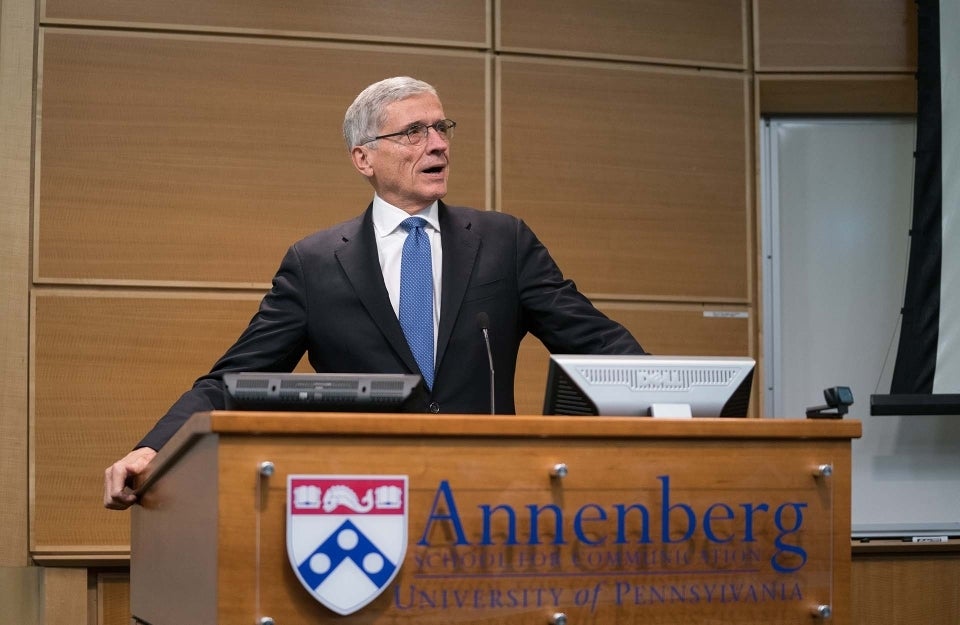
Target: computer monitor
[(657, 386), (322, 392)]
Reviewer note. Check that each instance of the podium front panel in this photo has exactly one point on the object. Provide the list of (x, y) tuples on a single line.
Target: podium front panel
[(634, 532)]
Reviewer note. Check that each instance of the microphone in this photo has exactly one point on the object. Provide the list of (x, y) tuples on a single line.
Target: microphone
[(484, 322)]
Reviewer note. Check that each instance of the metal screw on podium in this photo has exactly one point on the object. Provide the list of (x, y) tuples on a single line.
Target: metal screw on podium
[(559, 470), (558, 618), (824, 470), (824, 611), (265, 620), (266, 470)]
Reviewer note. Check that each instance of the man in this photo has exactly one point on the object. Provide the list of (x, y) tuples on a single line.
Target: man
[(343, 295)]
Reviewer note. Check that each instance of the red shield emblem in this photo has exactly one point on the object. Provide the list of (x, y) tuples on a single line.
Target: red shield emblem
[(346, 535)]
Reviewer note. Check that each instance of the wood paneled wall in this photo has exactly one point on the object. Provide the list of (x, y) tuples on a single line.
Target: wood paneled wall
[(179, 147), (187, 146), (825, 57), (448, 23), (687, 33), (906, 588), (16, 132), (653, 201), (142, 349), (829, 36)]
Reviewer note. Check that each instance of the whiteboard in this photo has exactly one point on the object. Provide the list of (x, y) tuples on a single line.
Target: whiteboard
[(837, 202), (948, 358)]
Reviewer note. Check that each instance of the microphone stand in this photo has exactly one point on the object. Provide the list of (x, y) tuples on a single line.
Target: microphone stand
[(484, 322)]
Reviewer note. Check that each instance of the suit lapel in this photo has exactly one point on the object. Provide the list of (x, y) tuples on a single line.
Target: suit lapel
[(460, 247), (357, 255)]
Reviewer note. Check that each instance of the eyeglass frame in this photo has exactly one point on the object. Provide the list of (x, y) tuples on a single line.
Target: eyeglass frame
[(420, 129)]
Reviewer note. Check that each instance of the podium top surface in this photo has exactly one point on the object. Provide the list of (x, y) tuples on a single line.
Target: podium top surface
[(512, 426), (331, 424)]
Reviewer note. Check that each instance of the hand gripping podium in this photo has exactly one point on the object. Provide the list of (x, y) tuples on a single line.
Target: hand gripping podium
[(293, 519)]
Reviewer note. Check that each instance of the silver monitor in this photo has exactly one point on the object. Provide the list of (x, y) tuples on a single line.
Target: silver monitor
[(657, 386)]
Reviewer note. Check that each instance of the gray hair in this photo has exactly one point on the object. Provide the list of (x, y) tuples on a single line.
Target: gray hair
[(368, 112)]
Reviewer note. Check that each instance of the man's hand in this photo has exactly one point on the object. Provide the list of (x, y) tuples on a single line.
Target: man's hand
[(116, 494)]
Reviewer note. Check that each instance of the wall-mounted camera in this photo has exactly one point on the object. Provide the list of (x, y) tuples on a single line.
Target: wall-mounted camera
[(838, 398)]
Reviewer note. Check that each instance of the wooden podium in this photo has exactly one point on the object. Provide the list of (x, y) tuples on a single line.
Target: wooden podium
[(494, 519)]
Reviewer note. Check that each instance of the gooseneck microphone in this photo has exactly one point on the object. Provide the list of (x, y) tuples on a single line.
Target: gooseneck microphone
[(484, 322)]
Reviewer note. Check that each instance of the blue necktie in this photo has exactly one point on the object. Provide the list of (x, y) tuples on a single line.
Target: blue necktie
[(416, 295)]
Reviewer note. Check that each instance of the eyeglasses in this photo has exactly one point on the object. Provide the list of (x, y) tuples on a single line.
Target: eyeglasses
[(418, 132)]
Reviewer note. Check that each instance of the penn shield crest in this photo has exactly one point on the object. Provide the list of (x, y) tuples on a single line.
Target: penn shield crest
[(346, 535)]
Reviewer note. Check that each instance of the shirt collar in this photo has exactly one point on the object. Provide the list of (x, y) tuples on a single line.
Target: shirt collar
[(387, 217)]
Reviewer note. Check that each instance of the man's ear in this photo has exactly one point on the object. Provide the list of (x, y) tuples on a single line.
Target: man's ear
[(361, 160)]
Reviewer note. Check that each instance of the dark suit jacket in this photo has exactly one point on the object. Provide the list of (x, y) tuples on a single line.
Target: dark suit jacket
[(329, 299)]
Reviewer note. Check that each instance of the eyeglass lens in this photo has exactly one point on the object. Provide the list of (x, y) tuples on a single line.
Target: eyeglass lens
[(419, 132)]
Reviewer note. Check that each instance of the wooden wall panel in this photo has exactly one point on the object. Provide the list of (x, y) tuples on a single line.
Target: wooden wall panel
[(689, 32), (21, 590), (65, 596), (674, 330), (113, 598), (446, 22), (844, 94), (106, 366), (17, 39), (189, 159), (896, 589), (835, 35), (636, 180)]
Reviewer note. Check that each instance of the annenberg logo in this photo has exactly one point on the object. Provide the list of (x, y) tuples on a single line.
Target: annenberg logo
[(625, 523), (657, 378)]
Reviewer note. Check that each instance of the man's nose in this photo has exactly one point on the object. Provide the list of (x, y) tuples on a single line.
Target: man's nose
[(435, 140)]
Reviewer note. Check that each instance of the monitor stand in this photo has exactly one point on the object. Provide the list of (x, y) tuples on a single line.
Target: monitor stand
[(671, 411)]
